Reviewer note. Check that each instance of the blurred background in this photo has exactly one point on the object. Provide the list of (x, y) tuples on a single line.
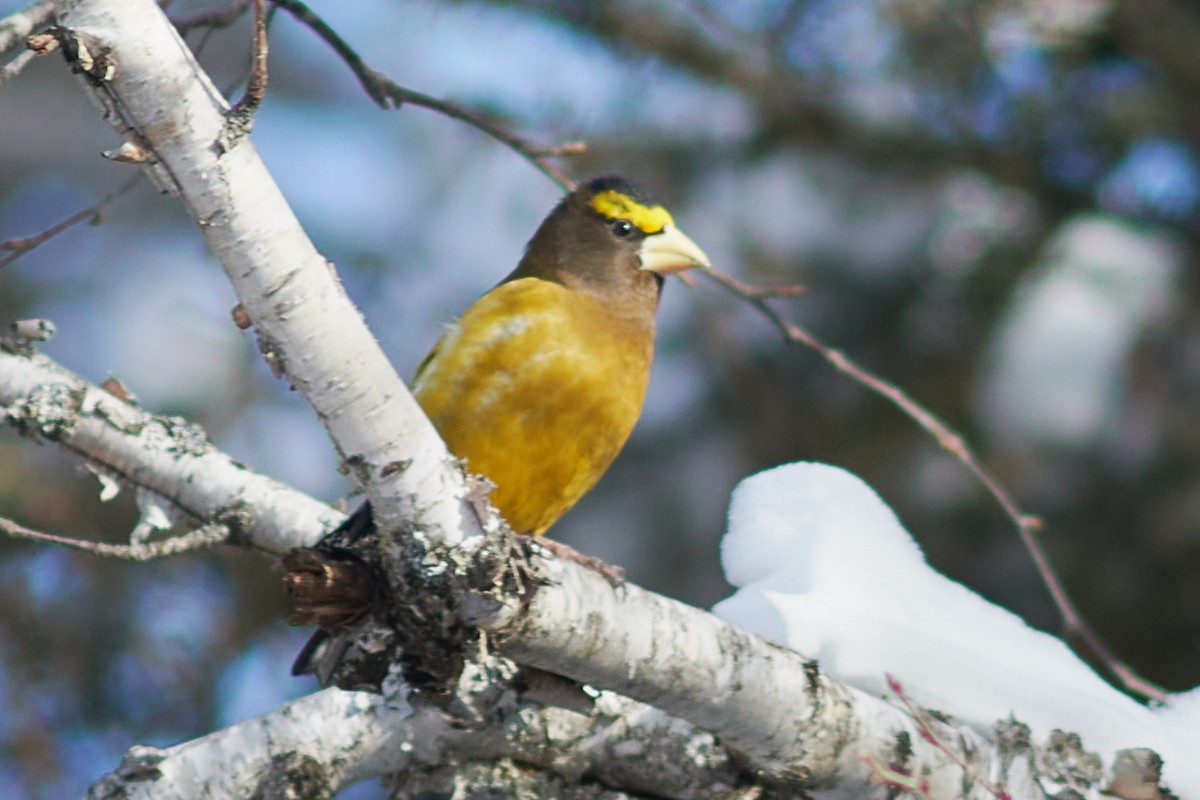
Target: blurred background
[(992, 204)]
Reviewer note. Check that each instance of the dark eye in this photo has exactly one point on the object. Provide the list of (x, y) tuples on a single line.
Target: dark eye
[(622, 228)]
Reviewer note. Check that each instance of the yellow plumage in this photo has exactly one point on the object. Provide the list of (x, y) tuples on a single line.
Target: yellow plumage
[(537, 387)]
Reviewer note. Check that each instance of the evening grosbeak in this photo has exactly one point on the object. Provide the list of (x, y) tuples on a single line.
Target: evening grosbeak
[(539, 383)]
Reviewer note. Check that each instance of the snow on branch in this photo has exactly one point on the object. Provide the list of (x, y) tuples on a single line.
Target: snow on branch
[(762, 700), (821, 563)]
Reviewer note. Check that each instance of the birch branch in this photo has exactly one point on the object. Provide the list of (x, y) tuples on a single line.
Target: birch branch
[(759, 698), (174, 123), (360, 737), (578, 625), (764, 700), (620, 742), (166, 455)]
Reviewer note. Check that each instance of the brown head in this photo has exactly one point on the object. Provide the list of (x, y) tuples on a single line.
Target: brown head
[(610, 240)]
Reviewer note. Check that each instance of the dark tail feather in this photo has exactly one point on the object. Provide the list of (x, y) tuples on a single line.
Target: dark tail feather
[(357, 526), (310, 655)]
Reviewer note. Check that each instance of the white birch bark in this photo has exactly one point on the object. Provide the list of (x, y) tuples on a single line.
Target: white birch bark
[(332, 739), (165, 455), (166, 109), (760, 698)]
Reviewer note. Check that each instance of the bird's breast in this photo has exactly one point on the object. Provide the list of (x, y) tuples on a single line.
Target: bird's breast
[(537, 388)]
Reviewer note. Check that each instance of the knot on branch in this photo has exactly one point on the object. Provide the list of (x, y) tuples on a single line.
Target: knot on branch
[(292, 774), (50, 411), (85, 55)]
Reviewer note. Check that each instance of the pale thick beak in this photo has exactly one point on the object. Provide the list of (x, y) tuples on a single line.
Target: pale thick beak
[(670, 251)]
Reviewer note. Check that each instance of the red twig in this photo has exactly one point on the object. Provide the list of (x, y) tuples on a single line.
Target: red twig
[(925, 726)]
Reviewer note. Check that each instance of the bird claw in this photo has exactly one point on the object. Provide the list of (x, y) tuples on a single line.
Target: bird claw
[(613, 574)]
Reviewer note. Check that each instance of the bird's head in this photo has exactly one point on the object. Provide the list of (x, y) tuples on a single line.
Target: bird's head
[(608, 238)]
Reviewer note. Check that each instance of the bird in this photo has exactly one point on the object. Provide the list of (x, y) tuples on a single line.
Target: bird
[(538, 384)]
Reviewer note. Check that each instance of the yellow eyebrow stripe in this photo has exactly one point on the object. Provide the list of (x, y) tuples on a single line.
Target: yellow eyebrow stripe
[(616, 205)]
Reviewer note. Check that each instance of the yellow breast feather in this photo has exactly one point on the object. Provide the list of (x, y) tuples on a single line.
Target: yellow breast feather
[(537, 388)]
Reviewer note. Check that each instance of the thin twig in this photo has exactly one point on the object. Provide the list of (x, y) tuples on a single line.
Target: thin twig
[(199, 539), (19, 247), (386, 93), (240, 118), (925, 725), (13, 68), (752, 292), (256, 84), (1027, 524)]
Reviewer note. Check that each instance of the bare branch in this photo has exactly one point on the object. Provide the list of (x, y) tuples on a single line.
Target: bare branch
[(384, 91), (199, 539), (240, 118), (13, 68), (931, 734), (19, 247), (1027, 525)]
